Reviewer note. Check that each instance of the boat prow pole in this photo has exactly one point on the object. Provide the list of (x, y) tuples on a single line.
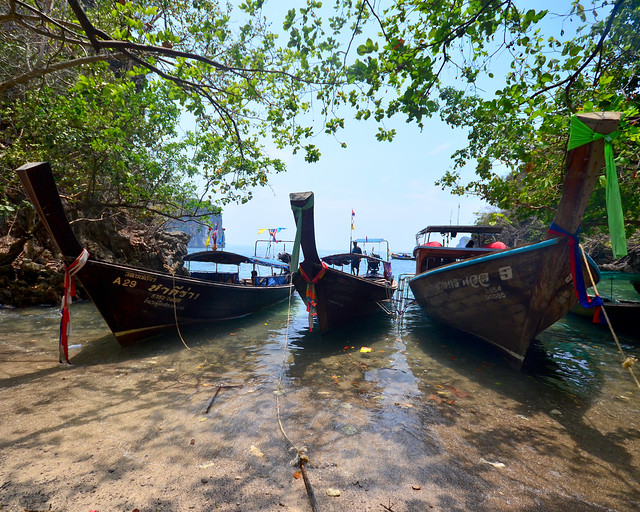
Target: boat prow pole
[(583, 168), (302, 206), (37, 179)]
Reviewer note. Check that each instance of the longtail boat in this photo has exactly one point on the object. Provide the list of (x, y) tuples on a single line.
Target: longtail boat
[(508, 296), (335, 297), (402, 256), (622, 310), (137, 303)]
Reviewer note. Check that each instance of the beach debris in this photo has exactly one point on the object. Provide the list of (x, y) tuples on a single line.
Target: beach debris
[(555, 412), (416, 487), (333, 492), (629, 362), (192, 442), (349, 430), (522, 417), (297, 475), (213, 398), (254, 450), (458, 392), (494, 464), (365, 349)]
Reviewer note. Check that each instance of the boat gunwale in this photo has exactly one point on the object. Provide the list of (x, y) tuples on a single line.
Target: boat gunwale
[(501, 253)]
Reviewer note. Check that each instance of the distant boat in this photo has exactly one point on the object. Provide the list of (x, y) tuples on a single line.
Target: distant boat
[(137, 303), (338, 298), (402, 256), (623, 313), (508, 296)]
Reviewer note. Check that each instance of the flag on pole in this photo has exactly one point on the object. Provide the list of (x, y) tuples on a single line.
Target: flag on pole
[(353, 214), (272, 232), (215, 238)]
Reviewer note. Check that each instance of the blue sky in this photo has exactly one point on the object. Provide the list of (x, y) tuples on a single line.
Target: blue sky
[(390, 186)]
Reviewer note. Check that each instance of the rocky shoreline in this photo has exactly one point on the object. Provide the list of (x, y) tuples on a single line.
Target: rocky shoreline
[(36, 276)]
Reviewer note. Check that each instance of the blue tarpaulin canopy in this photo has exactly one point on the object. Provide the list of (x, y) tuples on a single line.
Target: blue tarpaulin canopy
[(368, 240)]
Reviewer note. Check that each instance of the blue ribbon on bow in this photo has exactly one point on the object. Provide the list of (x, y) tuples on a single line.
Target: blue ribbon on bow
[(576, 269)]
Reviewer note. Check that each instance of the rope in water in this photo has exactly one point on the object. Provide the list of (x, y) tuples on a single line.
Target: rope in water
[(301, 458), (627, 361)]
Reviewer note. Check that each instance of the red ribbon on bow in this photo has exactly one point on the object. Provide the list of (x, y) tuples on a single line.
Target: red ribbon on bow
[(311, 292), (69, 293)]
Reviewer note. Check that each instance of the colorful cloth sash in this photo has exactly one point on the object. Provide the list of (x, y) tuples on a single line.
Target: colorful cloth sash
[(580, 135), (295, 253), (69, 293), (311, 291), (576, 271)]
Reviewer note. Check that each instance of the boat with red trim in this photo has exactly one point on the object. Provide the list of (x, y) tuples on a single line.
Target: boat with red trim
[(137, 303), (335, 297), (507, 296)]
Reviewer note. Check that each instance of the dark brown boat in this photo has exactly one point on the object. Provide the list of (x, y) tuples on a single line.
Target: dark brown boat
[(336, 297), (508, 296), (622, 311), (137, 303)]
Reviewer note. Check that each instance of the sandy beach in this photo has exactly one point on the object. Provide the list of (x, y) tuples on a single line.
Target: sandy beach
[(130, 431)]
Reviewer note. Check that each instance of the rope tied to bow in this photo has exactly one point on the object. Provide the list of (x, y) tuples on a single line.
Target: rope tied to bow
[(69, 292)]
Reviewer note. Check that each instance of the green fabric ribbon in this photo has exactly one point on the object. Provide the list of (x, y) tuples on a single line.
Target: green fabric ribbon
[(295, 253), (580, 135)]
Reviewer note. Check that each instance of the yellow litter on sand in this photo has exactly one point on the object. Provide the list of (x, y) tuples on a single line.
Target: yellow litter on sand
[(366, 349)]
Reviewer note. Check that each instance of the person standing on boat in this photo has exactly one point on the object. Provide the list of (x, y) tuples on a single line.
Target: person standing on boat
[(355, 262)]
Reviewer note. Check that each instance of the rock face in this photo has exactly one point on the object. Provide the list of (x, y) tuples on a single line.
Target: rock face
[(36, 277)]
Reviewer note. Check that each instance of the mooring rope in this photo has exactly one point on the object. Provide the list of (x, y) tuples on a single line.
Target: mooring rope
[(172, 271), (627, 361), (301, 458)]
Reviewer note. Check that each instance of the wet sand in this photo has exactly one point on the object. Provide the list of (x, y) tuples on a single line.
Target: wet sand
[(132, 433)]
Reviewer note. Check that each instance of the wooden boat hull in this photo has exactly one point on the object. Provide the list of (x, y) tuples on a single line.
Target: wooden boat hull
[(624, 315), (493, 297), (342, 298), (509, 296), (137, 303)]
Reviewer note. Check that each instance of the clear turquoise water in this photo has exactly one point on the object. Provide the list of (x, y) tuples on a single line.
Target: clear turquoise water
[(383, 389)]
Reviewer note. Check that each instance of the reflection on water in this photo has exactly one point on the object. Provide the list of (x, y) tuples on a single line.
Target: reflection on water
[(378, 394), (375, 363)]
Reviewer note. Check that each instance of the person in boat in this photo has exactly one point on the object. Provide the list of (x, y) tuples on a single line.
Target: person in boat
[(355, 262), (373, 266)]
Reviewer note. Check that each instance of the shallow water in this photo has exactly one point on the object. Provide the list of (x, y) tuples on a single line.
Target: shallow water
[(422, 391)]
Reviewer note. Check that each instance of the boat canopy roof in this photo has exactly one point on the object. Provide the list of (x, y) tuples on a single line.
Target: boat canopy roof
[(454, 230), (367, 240), (345, 258), (232, 258)]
